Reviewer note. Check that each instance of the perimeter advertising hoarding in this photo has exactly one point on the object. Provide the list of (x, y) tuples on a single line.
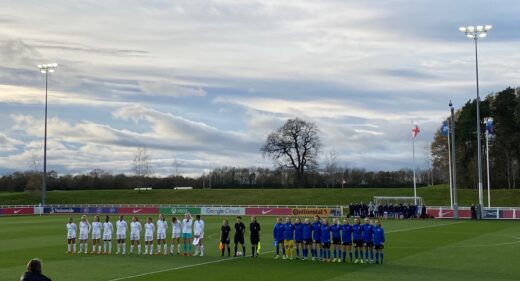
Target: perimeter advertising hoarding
[(138, 211), (268, 211), (179, 211), (447, 213), (322, 212), (99, 210), (223, 211), (492, 214), (17, 211), (69, 210)]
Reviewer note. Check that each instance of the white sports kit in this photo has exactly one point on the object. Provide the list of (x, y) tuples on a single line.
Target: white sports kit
[(107, 231), (71, 230), (187, 226), (149, 229), (198, 228), (121, 229), (135, 230), (96, 230), (84, 229), (161, 229), (176, 229)]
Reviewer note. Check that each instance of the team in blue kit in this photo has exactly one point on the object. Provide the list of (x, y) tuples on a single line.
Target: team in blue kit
[(357, 235), (379, 240), (278, 237), (325, 240), (320, 235), (335, 229), (346, 238), (368, 240), (288, 237), (316, 238), (298, 236), (307, 238)]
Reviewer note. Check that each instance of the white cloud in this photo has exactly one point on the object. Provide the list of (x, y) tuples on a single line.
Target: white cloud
[(209, 80), (7, 143)]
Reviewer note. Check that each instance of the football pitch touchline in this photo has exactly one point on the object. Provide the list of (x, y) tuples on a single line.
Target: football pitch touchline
[(223, 260), (422, 227), (181, 267)]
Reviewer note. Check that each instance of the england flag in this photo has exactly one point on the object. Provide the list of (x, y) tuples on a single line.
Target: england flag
[(415, 131)]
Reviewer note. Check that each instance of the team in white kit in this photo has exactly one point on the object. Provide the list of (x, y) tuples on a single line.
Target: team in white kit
[(185, 230)]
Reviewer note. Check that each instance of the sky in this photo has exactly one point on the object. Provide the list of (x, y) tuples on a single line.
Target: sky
[(201, 84)]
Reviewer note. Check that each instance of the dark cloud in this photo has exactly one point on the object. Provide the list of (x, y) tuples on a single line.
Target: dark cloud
[(408, 73), (61, 46)]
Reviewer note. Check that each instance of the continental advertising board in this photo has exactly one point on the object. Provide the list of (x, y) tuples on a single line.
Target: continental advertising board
[(311, 212)]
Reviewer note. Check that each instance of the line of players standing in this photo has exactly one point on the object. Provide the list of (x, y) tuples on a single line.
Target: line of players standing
[(187, 230), (319, 237)]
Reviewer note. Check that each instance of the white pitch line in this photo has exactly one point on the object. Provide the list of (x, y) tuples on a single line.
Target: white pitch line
[(423, 227), (217, 261), (180, 267)]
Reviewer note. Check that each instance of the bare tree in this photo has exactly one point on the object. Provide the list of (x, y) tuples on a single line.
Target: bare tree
[(295, 146), (141, 164), (331, 168), (98, 173), (34, 164), (428, 160), (176, 171)]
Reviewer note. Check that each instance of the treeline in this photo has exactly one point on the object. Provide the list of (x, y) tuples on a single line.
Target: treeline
[(225, 177), (504, 145)]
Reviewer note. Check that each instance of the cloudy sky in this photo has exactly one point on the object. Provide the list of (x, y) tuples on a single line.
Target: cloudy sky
[(202, 83)]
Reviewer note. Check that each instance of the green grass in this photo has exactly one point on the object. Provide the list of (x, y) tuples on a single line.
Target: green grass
[(415, 250), (433, 196)]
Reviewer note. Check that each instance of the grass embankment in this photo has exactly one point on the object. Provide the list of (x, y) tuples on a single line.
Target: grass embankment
[(433, 196)]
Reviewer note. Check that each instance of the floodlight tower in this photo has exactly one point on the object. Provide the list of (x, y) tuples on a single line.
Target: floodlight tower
[(45, 68), (475, 33)]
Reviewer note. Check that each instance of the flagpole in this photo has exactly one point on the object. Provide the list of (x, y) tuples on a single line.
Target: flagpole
[(413, 156), (449, 165), (487, 160)]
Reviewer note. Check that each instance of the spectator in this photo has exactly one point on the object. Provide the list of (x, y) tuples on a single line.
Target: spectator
[(34, 272)]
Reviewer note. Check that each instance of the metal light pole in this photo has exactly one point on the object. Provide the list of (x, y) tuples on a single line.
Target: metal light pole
[(449, 163), (476, 32), (45, 68), (489, 128), (454, 165)]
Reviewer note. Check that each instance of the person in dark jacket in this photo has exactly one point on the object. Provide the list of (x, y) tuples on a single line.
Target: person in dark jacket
[(34, 272)]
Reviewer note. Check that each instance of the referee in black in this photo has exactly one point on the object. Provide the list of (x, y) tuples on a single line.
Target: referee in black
[(254, 230), (240, 230)]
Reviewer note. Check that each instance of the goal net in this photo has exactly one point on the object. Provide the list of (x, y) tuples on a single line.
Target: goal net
[(397, 200)]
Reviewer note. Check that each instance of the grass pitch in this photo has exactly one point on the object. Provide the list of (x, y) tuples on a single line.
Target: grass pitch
[(415, 250)]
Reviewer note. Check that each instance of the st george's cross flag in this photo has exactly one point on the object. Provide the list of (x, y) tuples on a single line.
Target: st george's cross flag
[(415, 131)]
